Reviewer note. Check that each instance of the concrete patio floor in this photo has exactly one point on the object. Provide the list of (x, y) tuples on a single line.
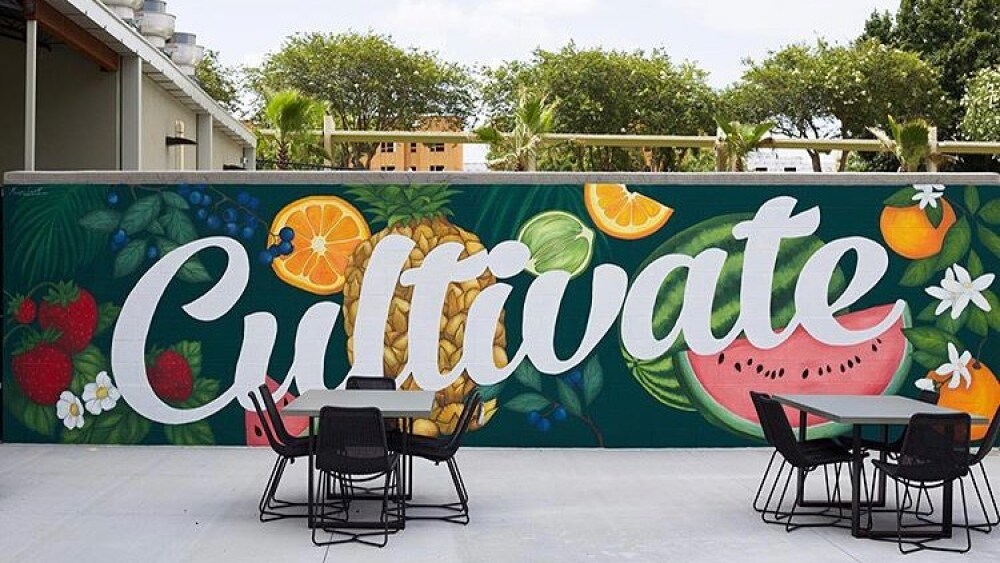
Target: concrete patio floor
[(82, 504)]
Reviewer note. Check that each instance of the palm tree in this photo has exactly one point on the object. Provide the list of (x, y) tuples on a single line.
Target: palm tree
[(291, 116), (533, 118), (910, 142), (737, 140)]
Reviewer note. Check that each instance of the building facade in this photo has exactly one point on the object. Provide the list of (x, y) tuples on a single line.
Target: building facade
[(422, 157)]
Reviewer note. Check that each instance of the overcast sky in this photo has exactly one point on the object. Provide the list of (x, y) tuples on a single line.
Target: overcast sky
[(717, 34)]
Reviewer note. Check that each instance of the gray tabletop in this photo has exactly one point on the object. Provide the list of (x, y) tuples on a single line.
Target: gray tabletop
[(393, 404), (866, 409)]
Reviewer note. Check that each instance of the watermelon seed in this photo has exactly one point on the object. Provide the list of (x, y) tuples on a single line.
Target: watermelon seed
[(738, 366), (750, 362), (760, 368), (874, 348), (850, 363), (828, 370), (781, 372), (879, 340), (842, 368), (857, 360), (722, 357), (805, 373)]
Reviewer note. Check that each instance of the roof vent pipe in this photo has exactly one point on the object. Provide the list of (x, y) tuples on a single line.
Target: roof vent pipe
[(155, 24), (124, 9)]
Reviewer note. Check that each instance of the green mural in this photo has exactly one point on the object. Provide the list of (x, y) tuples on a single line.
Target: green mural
[(588, 315)]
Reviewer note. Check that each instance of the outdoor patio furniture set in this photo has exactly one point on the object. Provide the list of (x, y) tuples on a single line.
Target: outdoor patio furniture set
[(932, 453), (360, 441)]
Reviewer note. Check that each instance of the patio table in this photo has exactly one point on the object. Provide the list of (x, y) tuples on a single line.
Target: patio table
[(859, 411), (405, 405)]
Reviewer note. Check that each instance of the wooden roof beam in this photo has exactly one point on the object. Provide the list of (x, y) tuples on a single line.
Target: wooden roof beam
[(58, 25)]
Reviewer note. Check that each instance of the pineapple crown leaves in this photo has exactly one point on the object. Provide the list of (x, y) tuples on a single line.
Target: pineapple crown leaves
[(62, 293), (33, 338), (405, 204)]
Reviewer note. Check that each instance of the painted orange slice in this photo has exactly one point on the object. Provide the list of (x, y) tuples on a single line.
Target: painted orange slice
[(623, 214), (327, 230)]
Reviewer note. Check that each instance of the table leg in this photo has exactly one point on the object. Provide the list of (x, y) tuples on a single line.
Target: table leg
[(947, 499), (407, 428), (801, 480), (883, 456), (312, 450), (857, 466)]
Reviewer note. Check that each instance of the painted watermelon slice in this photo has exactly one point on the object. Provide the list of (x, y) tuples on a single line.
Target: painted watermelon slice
[(719, 385), (295, 425)]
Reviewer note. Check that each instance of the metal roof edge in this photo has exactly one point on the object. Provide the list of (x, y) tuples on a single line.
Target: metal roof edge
[(511, 178), (131, 39)]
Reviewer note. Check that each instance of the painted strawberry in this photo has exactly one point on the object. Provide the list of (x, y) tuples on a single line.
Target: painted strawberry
[(42, 369), (171, 377), (23, 309), (73, 312)]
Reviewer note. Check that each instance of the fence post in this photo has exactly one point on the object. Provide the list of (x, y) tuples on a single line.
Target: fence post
[(328, 128), (932, 142)]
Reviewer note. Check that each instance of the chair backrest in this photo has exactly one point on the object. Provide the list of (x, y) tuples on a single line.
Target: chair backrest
[(935, 447), (274, 415), (352, 441), (989, 440), (755, 397), (367, 383), (272, 441), (930, 397), (471, 408), (779, 431)]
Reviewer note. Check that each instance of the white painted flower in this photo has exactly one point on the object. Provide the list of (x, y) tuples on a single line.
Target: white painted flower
[(925, 384), (101, 395), (928, 194), (69, 409), (957, 367), (958, 289)]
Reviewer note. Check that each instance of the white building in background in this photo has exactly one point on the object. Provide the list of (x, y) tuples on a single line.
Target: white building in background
[(782, 160), (86, 87)]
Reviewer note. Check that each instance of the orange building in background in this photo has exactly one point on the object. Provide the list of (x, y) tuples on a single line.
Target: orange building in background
[(422, 157)]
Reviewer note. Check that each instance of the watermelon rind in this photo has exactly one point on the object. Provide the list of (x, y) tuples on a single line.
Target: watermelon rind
[(722, 417)]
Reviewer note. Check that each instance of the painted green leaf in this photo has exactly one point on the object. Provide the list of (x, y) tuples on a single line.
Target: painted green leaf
[(978, 323), (178, 226), (929, 361), (568, 398), (86, 365), (193, 271), (50, 243), (927, 314), (972, 198), (950, 325), (131, 430), (932, 340), (975, 265), (490, 392), (191, 351), (991, 212), (174, 200), (993, 315), (130, 258), (141, 213), (989, 239), (101, 220), (528, 376), (593, 379), (156, 228), (901, 198), (527, 402), (205, 390), (39, 418), (192, 434), (956, 243), (919, 272), (107, 314), (934, 215)]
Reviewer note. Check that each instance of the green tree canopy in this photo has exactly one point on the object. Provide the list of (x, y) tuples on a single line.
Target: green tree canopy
[(605, 91), (836, 91), (982, 106), (958, 37), (219, 81), (368, 83)]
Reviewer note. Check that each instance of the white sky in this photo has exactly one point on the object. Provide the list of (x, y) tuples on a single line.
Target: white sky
[(717, 34)]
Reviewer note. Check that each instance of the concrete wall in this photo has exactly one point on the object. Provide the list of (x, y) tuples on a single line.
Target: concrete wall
[(77, 112), (160, 112), (12, 104), (225, 150)]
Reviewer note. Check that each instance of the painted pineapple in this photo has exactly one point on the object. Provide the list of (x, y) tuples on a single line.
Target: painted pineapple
[(420, 213)]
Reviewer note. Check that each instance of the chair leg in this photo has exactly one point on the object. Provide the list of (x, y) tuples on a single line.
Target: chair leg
[(924, 544), (763, 481), (458, 511)]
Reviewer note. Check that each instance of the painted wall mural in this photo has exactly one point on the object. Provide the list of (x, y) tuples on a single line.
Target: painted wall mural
[(587, 315)]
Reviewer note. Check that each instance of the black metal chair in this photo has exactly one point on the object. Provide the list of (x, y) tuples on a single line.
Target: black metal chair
[(351, 447), (934, 453), (443, 450), (799, 457), (288, 448), (368, 383), (976, 459), (822, 444)]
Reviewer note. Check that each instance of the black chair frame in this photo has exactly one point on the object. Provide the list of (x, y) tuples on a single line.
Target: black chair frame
[(288, 449)]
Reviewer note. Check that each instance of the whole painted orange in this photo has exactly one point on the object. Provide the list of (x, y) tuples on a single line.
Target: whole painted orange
[(909, 233)]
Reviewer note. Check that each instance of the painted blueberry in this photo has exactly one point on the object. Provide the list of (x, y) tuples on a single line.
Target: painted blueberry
[(534, 417), (265, 257), (229, 215), (112, 199), (183, 190), (253, 203), (543, 425), (247, 233), (286, 234), (195, 198), (119, 237), (559, 414), (202, 214), (274, 250), (152, 253), (243, 198), (232, 229), (214, 222), (285, 248), (206, 200)]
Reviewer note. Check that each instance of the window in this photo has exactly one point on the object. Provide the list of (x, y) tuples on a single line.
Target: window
[(413, 147), (437, 168), (413, 169), (436, 147), (387, 168), (387, 147), (760, 169), (791, 169)]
